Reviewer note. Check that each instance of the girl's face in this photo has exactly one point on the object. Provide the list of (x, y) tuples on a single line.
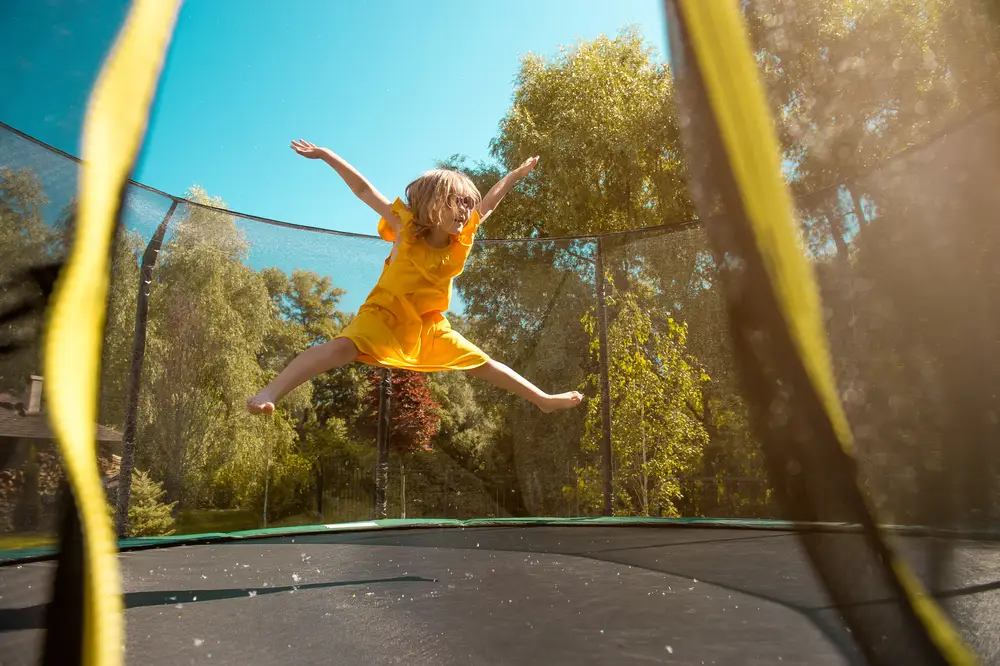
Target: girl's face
[(456, 212)]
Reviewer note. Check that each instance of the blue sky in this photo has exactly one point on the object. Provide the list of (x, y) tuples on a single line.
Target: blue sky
[(392, 85)]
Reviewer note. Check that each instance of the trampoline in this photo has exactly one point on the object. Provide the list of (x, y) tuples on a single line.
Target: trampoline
[(784, 332), (508, 594)]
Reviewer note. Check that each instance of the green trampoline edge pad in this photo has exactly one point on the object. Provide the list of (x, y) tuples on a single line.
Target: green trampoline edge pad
[(142, 543)]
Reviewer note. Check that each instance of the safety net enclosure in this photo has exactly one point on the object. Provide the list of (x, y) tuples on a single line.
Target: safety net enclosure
[(766, 258)]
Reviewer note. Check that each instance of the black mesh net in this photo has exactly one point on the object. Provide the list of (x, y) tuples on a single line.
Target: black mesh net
[(684, 431), (891, 168), (37, 209)]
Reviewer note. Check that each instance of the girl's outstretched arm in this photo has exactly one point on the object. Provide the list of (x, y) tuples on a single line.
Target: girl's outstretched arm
[(358, 184), (503, 186)]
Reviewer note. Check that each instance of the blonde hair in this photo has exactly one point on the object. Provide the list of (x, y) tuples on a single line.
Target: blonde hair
[(427, 197)]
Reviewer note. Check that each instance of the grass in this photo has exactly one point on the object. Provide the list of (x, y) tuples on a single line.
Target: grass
[(224, 520), (22, 540), (216, 520)]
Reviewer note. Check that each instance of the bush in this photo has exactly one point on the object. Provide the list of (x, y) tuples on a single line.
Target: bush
[(147, 514)]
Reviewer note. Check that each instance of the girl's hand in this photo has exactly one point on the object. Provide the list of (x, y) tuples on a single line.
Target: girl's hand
[(504, 185), (307, 150), (527, 166)]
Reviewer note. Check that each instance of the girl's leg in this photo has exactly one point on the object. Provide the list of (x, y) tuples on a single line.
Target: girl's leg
[(503, 377), (310, 363)]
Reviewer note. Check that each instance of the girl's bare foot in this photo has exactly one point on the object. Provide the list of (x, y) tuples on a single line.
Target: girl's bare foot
[(260, 404), (561, 401)]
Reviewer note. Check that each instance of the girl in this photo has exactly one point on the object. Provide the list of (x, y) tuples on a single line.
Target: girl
[(401, 324)]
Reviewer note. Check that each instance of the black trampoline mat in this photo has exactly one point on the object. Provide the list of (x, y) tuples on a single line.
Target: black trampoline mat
[(493, 595)]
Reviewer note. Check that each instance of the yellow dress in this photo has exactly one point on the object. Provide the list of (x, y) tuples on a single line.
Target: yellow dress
[(402, 324)]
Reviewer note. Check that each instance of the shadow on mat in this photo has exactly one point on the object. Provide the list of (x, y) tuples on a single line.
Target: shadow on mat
[(33, 617)]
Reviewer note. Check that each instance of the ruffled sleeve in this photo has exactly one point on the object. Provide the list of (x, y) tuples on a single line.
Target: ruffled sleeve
[(468, 233), (386, 230)]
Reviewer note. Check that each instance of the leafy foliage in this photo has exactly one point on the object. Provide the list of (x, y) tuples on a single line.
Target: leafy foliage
[(903, 248), (898, 256), (208, 316), (26, 242), (656, 393)]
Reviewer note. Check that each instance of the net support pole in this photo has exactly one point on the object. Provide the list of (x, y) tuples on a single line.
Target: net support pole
[(602, 337), (149, 258), (382, 442), (267, 486)]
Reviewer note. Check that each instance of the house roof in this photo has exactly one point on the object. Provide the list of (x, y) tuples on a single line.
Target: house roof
[(14, 422)]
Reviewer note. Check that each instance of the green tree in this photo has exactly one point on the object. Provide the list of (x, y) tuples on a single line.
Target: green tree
[(307, 306), (853, 83), (731, 478), (467, 426), (27, 241), (209, 315), (24, 235), (311, 301), (898, 251), (602, 118), (119, 327), (656, 394), (148, 515), (307, 313)]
